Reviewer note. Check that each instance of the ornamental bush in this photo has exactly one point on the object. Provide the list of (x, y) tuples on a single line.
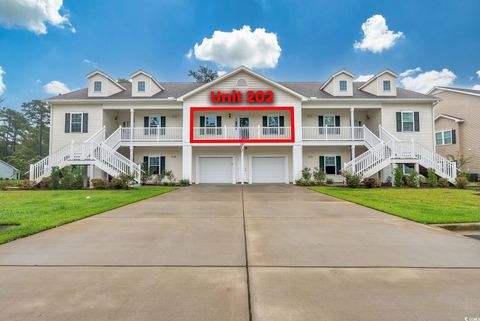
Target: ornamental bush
[(443, 182), (432, 179), (306, 174), (371, 182), (413, 179), (398, 177), (318, 176), (352, 180), (461, 182)]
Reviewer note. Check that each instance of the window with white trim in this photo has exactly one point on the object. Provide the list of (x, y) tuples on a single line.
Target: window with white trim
[(141, 86), (154, 165), (343, 85), (330, 165), (387, 85), (407, 121), (211, 121), (76, 122), (444, 137), (97, 86), (329, 120)]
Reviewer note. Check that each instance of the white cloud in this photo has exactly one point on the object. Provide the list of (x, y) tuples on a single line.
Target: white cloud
[(2, 83), (189, 54), (478, 74), (423, 82), (410, 72), (56, 87), (364, 77), (255, 49), (33, 14), (376, 36), (476, 87), (90, 63), (220, 73)]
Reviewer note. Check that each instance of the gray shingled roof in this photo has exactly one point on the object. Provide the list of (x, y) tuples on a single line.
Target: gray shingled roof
[(472, 91), (177, 89)]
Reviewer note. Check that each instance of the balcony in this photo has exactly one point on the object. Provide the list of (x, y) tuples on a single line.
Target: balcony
[(151, 134), (361, 135), (241, 134)]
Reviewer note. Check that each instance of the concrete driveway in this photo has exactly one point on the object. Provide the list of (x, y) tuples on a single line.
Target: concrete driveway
[(231, 253)]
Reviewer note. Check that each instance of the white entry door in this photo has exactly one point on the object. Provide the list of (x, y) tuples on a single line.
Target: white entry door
[(215, 169), (269, 169)]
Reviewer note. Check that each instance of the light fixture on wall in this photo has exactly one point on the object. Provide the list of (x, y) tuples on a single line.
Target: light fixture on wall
[(229, 115), (116, 117), (368, 117)]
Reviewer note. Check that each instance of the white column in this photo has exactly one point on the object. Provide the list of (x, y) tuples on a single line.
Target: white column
[(353, 159), (187, 162), (242, 164), (297, 113), (352, 121), (297, 157)]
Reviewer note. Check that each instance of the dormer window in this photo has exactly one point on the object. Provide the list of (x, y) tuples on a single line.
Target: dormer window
[(387, 85), (141, 86), (343, 85), (97, 86)]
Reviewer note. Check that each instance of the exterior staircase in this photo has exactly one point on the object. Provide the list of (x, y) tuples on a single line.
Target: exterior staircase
[(391, 150), (93, 151)]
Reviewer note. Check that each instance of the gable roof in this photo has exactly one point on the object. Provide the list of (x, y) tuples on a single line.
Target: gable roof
[(251, 73), (7, 164), (140, 71), (343, 71), (466, 91), (98, 72), (456, 119), (386, 71)]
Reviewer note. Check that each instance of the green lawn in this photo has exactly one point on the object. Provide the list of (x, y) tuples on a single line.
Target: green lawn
[(35, 211), (426, 205)]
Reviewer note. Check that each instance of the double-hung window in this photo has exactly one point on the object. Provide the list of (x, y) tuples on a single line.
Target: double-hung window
[(330, 165), (343, 85), (97, 86), (274, 125), (210, 125), (407, 121), (141, 86), (154, 125), (445, 137), (76, 123), (155, 164), (387, 85)]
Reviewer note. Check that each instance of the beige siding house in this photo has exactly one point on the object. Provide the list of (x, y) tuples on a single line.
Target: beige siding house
[(457, 125), (242, 128)]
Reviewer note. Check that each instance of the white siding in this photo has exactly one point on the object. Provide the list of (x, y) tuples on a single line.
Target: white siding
[(108, 87), (173, 157), (151, 88), (376, 86)]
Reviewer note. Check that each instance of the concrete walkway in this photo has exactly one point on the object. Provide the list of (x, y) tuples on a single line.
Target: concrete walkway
[(232, 253)]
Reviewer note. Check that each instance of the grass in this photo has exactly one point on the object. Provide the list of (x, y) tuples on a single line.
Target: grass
[(426, 205), (35, 211)]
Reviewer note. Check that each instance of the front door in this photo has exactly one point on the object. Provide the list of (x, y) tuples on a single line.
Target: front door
[(244, 129)]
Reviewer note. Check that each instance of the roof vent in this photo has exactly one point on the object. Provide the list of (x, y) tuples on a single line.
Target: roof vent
[(241, 82)]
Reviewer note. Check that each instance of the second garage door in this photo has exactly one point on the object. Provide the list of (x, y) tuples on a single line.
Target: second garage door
[(215, 170), (269, 169)]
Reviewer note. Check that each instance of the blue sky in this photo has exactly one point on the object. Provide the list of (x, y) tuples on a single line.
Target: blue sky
[(316, 39)]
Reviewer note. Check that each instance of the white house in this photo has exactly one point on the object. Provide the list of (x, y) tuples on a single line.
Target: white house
[(7, 171), (242, 128)]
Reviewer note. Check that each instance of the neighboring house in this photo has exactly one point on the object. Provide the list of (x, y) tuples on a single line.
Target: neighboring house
[(242, 127), (7, 171), (457, 125)]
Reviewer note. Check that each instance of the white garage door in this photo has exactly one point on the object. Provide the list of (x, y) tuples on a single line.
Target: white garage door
[(268, 169), (215, 169)]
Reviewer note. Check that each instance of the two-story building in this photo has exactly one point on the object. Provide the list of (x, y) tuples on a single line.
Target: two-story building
[(242, 128)]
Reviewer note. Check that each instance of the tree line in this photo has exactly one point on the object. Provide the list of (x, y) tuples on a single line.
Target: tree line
[(24, 134)]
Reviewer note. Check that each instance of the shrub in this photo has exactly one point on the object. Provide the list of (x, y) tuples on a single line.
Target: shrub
[(303, 182), (352, 180), (99, 183), (3, 186), (117, 183), (127, 180), (329, 181), (45, 183), (56, 176), (371, 182), (413, 179), (472, 177), (318, 176), (184, 182), (306, 174), (461, 182), (387, 184), (432, 179), (443, 182), (146, 174), (27, 185), (398, 177)]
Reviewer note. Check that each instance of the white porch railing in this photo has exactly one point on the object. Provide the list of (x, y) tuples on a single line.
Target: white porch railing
[(151, 134), (241, 133), (333, 133)]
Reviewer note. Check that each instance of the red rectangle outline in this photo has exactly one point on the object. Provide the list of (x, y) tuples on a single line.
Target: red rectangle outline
[(289, 108)]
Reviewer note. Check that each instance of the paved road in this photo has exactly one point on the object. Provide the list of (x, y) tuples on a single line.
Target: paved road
[(221, 253)]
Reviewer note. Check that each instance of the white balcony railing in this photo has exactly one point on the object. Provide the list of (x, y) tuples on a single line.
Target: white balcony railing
[(241, 133), (151, 134), (334, 133)]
